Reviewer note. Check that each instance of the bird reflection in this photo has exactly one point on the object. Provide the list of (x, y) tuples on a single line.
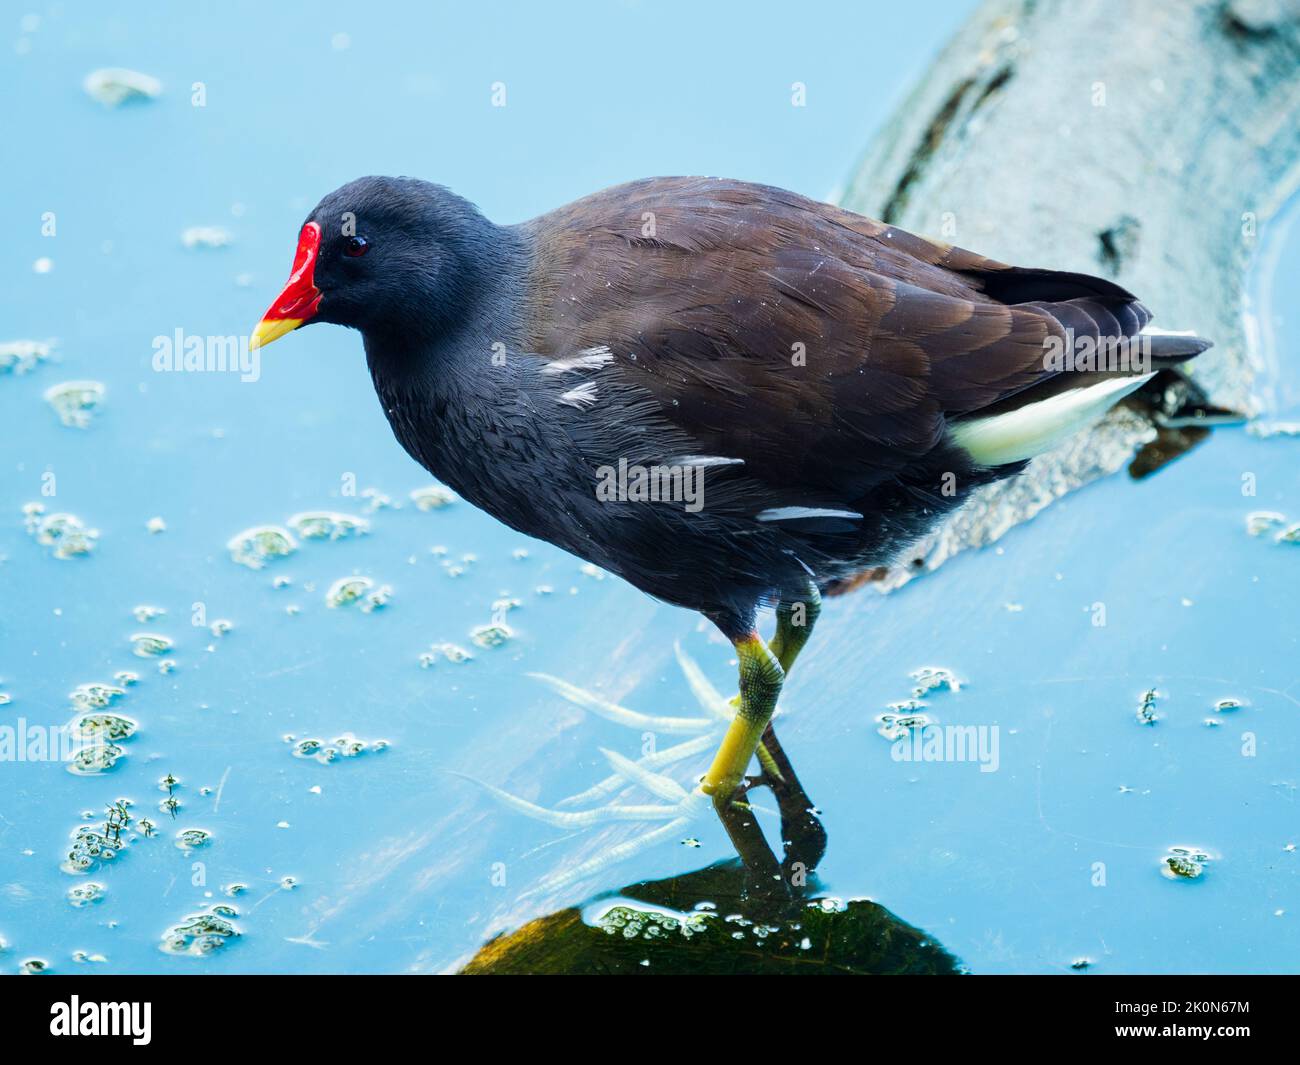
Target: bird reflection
[(760, 913), (713, 922), (678, 807)]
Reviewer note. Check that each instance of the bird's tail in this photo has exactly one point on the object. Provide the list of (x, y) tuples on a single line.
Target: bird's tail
[(1169, 348), (1040, 417)]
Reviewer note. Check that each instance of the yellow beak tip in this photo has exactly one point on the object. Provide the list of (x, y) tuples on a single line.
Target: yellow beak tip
[(269, 330)]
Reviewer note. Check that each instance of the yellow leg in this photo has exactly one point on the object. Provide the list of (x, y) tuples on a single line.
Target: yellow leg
[(795, 618), (761, 677)]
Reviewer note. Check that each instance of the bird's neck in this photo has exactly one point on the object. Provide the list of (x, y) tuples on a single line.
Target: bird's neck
[(429, 371)]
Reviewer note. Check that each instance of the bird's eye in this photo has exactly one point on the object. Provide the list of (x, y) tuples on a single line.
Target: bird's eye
[(355, 247)]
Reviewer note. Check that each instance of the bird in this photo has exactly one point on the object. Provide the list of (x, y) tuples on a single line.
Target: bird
[(729, 394)]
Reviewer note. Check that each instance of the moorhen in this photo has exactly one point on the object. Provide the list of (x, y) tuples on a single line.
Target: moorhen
[(726, 393)]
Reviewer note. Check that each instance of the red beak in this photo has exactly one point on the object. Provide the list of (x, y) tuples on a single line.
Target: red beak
[(300, 299)]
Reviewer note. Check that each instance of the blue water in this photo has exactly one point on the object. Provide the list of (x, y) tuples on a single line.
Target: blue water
[(396, 863)]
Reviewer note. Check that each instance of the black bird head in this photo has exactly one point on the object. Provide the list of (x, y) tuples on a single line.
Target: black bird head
[(384, 255)]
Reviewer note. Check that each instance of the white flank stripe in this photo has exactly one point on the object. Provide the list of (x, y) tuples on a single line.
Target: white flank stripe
[(581, 397), (591, 359), (705, 460), (795, 513), (1037, 427)]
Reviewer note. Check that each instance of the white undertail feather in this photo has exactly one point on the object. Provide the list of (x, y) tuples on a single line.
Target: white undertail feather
[(1030, 430)]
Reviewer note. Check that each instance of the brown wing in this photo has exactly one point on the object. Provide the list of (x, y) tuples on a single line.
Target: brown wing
[(823, 348)]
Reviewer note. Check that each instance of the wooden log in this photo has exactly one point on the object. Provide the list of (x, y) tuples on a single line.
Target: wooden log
[(1145, 141)]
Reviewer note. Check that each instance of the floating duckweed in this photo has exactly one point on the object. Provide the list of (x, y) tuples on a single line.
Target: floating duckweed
[(167, 665), (114, 86), (21, 356), (902, 718), (449, 651), (205, 237), (934, 678), (85, 894), (1289, 535), (1146, 712), (234, 890), (327, 525), (126, 677), (149, 645), (93, 845), (66, 533), (634, 923), (220, 627), (105, 728), (257, 546), (145, 614), (5, 698), (75, 402), (1184, 863), (590, 569), (281, 582), (34, 967), (1081, 964), (95, 758), (94, 696), (519, 554), (156, 525), (1265, 430), (503, 606), (288, 883), (348, 590), (493, 634), (202, 933), (1259, 522), (375, 500), (81, 957), (188, 839), (432, 497), (1227, 705), (345, 746)]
